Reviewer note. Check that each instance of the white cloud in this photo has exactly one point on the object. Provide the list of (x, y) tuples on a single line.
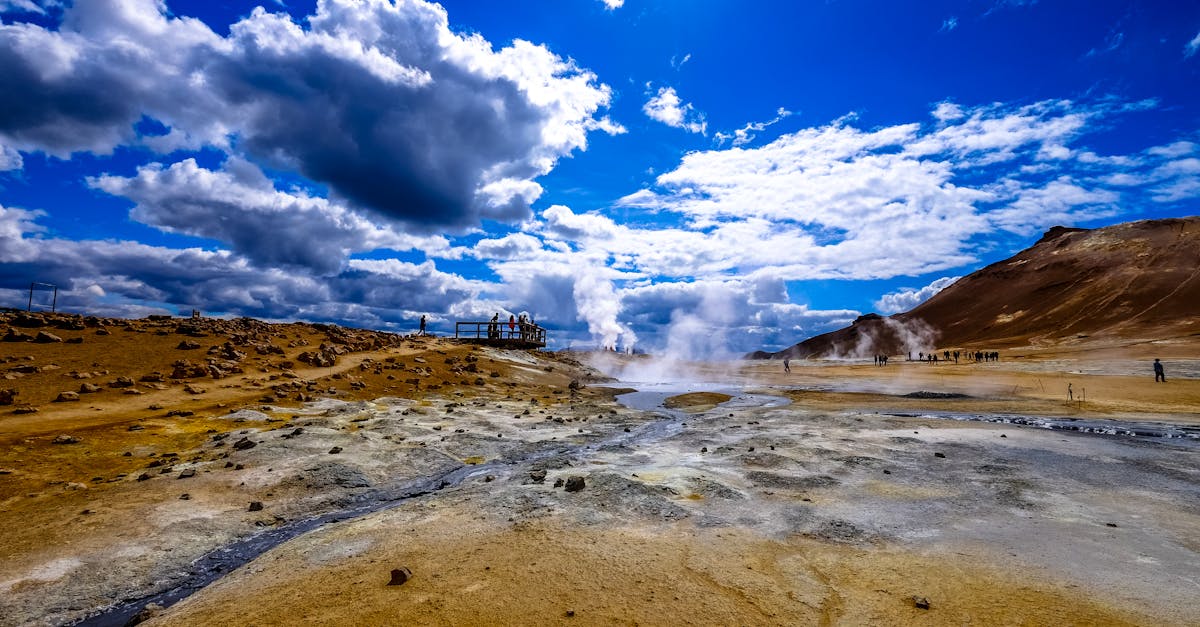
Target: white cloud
[(666, 107), (745, 135), (135, 277), (381, 102), (906, 298), (613, 4), (949, 24), (1191, 47), (241, 207)]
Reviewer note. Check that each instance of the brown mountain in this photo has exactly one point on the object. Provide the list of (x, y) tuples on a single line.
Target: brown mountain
[(1127, 281)]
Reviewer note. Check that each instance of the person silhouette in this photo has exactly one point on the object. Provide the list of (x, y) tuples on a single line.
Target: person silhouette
[(1159, 373)]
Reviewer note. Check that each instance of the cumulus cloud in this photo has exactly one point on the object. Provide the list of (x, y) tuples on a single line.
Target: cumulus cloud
[(381, 102), (949, 24), (613, 4), (241, 207), (137, 279), (666, 107), (906, 298)]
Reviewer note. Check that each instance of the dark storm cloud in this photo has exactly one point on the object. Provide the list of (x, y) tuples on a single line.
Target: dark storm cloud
[(379, 101), (365, 293), (239, 205)]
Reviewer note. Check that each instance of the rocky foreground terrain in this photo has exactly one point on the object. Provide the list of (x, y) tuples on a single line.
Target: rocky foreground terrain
[(238, 472)]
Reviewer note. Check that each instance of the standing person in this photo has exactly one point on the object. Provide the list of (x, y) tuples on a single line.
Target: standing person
[(1159, 374), (1070, 393), (786, 366), (512, 325), (494, 327), (422, 331)]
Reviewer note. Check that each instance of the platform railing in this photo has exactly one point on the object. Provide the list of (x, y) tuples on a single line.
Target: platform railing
[(501, 332)]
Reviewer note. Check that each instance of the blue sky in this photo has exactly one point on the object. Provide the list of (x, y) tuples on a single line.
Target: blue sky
[(702, 177)]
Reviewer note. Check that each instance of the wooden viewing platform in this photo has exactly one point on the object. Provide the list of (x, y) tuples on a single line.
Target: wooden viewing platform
[(499, 334)]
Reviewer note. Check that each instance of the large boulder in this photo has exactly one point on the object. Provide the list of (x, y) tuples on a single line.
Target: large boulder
[(14, 335)]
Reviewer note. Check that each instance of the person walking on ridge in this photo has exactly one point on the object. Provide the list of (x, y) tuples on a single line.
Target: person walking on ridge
[(1159, 374), (422, 331)]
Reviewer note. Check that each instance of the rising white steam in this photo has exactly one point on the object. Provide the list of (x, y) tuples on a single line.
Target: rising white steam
[(598, 305)]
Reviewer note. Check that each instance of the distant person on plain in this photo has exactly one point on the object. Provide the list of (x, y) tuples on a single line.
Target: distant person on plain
[(786, 366), (1159, 374)]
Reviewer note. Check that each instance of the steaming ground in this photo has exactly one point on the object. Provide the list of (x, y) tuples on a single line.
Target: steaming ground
[(760, 498)]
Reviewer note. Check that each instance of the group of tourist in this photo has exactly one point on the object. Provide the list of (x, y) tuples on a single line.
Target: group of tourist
[(519, 327)]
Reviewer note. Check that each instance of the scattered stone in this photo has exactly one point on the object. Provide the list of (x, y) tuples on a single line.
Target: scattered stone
[(191, 389), (1003, 435), (185, 497), (14, 335), (181, 413), (243, 444), (135, 428), (187, 474), (558, 483), (335, 450), (25, 409), (400, 576), (144, 476), (65, 439), (66, 397), (537, 476), (7, 395), (704, 449), (89, 388), (121, 382), (1110, 524), (920, 602), (46, 338), (188, 345), (255, 506), (569, 613), (941, 455), (574, 483), (74, 340)]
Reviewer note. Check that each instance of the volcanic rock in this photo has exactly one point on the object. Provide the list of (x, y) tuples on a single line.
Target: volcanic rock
[(7, 395), (64, 397), (14, 335), (65, 439), (400, 576), (46, 338), (574, 483)]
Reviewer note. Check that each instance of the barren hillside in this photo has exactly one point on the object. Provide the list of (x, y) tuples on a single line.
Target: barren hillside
[(1127, 282)]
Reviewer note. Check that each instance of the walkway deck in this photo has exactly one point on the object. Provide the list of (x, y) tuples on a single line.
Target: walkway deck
[(500, 334)]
